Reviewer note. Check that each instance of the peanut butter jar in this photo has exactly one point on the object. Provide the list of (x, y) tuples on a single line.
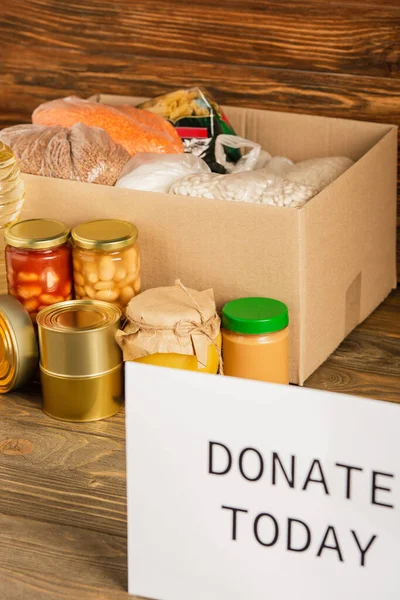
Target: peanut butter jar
[(255, 339), (81, 365)]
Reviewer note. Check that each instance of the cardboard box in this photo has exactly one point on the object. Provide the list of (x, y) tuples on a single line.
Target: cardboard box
[(332, 262)]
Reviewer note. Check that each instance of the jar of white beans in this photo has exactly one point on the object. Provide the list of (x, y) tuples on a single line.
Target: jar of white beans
[(106, 261)]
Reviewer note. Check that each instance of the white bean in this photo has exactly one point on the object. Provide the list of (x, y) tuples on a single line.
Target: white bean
[(106, 268), (109, 295)]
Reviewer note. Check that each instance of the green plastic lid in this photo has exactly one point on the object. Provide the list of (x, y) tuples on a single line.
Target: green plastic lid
[(255, 315)]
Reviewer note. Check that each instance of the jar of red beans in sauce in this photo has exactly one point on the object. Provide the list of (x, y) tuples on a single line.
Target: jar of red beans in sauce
[(39, 263)]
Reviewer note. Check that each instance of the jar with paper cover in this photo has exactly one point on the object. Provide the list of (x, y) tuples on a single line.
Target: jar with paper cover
[(173, 327)]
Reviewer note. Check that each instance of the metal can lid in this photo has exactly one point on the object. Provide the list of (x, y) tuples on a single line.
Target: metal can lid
[(78, 316), (19, 356), (105, 234), (37, 234)]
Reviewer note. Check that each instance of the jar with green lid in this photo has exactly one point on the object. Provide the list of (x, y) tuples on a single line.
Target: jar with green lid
[(106, 261), (255, 340)]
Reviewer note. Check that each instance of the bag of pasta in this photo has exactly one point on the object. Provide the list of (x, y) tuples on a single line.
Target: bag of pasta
[(198, 119)]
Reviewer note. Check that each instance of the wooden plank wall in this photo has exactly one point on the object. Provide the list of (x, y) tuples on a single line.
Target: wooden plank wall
[(328, 57)]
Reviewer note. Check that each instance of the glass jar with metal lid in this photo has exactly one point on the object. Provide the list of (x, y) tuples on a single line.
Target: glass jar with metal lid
[(80, 361), (106, 261), (39, 265), (255, 339), (12, 195)]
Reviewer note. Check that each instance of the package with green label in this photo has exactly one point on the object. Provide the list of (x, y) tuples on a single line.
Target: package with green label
[(198, 120)]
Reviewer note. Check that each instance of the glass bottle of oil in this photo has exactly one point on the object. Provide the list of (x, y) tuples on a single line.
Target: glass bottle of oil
[(12, 195)]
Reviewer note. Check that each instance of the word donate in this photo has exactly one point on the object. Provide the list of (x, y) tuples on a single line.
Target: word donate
[(240, 489)]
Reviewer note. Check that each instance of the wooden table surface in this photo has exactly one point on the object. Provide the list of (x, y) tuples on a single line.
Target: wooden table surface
[(62, 485)]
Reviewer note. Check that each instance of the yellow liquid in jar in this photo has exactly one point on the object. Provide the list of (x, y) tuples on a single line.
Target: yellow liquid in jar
[(185, 362)]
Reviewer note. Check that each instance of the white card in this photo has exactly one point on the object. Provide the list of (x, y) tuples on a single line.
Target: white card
[(244, 490)]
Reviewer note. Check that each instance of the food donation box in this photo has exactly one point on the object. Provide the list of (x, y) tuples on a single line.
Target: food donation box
[(332, 262)]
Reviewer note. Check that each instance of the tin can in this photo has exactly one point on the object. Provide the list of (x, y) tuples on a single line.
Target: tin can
[(19, 357), (80, 362)]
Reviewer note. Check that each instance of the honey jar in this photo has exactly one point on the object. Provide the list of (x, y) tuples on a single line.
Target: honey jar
[(80, 362), (38, 262), (173, 327), (106, 261)]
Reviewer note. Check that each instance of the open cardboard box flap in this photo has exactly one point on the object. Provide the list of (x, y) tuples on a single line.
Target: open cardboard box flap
[(332, 262)]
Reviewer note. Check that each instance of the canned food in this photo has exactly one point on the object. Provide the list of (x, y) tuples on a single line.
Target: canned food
[(106, 261), (80, 362), (38, 261), (19, 357)]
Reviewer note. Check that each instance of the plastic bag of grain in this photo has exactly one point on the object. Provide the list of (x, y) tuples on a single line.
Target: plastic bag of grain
[(136, 130), (280, 183), (81, 153), (154, 172)]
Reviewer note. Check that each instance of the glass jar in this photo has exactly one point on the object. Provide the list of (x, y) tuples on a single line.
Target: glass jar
[(12, 195), (106, 261), (38, 262), (255, 339), (173, 327)]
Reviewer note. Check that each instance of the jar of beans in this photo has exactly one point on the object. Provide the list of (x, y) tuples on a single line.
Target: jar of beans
[(38, 262), (106, 261)]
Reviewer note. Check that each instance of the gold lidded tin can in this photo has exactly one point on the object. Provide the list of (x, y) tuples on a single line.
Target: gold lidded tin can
[(80, 362), (19, 357)]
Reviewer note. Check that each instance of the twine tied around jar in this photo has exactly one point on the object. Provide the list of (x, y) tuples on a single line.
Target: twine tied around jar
[(184, 328)]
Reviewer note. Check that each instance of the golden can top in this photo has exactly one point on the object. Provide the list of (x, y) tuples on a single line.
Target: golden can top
[(19, 357), (105, 234), (37, 234), (76, 316)]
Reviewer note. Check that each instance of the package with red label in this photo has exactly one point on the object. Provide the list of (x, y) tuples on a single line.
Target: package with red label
[(198, 119)]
